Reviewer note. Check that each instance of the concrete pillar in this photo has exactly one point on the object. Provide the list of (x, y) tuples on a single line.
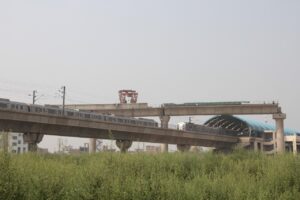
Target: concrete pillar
[(123, 145), (164, 124), (32, 139), (279, 132), (92, 145), (274, 142), (255, 144), (194, 149), (295, 151), (183, 147)]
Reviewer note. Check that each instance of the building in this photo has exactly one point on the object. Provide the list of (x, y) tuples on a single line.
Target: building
[(13, 142), (256, 135)]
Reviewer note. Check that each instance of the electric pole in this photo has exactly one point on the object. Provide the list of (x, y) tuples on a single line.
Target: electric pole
[(63, 91), (34, 96)]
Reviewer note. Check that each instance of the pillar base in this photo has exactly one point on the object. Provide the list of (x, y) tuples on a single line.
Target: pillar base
[(194, 149), (32, 139), (164, 147), (164, 119), (123, 145), (183, 147), (92, 145)]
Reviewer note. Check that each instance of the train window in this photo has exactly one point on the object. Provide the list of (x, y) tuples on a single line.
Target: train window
[(3, 105), (38, 110), (70, 114), (21, 107), (87, 115), (51, 111)]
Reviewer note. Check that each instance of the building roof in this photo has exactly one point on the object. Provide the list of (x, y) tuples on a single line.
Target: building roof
[(244, 126)]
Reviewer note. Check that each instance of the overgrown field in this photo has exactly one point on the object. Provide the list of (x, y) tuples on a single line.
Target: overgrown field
[(241, 175)]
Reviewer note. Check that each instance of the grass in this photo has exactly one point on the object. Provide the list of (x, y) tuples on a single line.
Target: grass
[(241, 175)]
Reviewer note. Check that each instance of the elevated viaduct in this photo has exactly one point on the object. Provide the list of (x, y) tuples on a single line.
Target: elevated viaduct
[(34, 126), (165, 112)]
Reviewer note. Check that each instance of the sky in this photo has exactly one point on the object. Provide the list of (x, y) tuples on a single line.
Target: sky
[(168, 50)]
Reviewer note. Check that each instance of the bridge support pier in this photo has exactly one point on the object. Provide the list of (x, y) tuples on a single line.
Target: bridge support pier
[(164, 124), (32, 139), (183, 147), (194, 149), (280, 143), (92, 145), (123, 145)]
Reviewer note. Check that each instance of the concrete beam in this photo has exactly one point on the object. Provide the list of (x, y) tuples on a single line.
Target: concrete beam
[(244, 109)]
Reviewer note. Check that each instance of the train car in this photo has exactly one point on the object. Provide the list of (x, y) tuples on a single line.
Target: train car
[(53, 110), (57, 111), (4, 103), (205, 104), (37, 108), (187, 126), (17, 106), (71, 113), (148, 122)]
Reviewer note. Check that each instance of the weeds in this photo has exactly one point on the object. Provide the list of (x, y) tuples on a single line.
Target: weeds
[(241, 175)]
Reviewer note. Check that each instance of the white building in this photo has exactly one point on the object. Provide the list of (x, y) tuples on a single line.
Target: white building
[(14, 142)]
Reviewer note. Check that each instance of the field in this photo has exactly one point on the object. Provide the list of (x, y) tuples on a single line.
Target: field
[(241, 175)]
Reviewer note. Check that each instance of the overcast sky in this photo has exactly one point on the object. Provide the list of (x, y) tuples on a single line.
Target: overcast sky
[(167, 50)]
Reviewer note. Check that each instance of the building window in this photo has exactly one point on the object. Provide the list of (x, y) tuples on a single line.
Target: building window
[(14, 151), (15, 137), (19, 149), (19, 141), (14, 144)]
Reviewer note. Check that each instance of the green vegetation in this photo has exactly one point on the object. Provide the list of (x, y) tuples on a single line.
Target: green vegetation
[(241, 175)]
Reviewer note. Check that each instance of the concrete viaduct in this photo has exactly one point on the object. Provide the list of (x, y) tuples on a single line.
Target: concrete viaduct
[(35, 126), (165, 112)]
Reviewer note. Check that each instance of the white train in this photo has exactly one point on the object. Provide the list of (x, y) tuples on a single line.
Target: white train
[(188, 126), (6, 104)]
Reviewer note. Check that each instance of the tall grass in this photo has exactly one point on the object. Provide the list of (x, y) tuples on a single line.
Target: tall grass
[(241, 175)]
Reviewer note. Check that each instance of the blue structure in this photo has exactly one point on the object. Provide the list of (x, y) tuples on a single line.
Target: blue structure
[(244, 126)]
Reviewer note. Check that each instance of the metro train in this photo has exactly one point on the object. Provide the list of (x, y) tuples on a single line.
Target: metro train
[(206, 103), (6, 104), (188, 126)]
